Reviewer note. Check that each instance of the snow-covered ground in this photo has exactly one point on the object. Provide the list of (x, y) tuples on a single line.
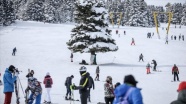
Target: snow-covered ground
[(42, 48)]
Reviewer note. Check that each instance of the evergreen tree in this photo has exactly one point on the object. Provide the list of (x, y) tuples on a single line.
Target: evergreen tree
[(35, 11), (91, 35), (183, 20)]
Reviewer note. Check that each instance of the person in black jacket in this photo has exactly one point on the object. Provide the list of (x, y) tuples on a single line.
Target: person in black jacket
[(14, 51), (83, 85), (91, 85), (155, 64), (68, 83), (30, 74)]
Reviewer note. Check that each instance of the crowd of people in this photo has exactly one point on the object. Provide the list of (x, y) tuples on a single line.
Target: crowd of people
[(126, 93)]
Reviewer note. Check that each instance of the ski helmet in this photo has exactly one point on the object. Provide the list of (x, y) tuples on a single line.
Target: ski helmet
[(83, 69)]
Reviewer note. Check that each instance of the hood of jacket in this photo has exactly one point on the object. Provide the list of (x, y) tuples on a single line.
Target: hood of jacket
[(182, 96)]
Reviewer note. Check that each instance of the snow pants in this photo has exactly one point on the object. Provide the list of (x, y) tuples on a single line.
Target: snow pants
[(154, 68), (84, 96), (68, 91), (47, 96), (133, 43), (97, 77), (148, 70), (176, 76), (38, 99), (107, 100), (89, 94), (8, 97)]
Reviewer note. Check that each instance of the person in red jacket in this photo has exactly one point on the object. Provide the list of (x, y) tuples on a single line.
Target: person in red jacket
[(175, 71), (48, 85)]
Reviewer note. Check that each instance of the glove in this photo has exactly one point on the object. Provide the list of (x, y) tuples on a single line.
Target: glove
[(73, 87)]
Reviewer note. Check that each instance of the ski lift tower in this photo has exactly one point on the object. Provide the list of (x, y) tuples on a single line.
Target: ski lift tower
[(170, 14)]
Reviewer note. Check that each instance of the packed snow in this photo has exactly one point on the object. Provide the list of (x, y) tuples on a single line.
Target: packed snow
[(42, 48)]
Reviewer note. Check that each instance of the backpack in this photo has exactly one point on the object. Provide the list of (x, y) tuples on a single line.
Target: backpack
[(66, 81), (123, 100), (48, 83)]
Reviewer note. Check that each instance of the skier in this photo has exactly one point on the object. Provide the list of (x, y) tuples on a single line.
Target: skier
[(97, 74), (48, 82), (179, 37), (166, 39), (83, 87), (91, 85), (116, 31), (174, 37), (117, 84), (183, 37), (68, 83), (30, 74), (71, 56), (36, 91), (155, 64), (141, 57), (175, 26), (124, 33), (181, 94), (133, 42), (0, 80), (14, 51), (171, 37), (175, 71), (152, 34), (129, 91), (148, 68), (9, 80), (109, 90)]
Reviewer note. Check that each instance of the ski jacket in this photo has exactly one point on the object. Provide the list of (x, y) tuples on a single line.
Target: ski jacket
[(91, 82), (29, 75), (148, 65), (71, 56), (109, 90), (84, 83), (8, 81), (35, 89), (175, 69), (154, 62), (141, 56), (14, 50), (181, 98), (97, 70), (68, 81), (134, 97), (48, 81)]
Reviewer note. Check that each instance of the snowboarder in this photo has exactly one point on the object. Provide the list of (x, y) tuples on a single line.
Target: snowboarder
[(91, 85), (109, 90), (83, 62), (97, 73), (141, 57), (133, 42), (181, 94), (71, 56), (83, 87), (36, 91), (48, 82), (166, 40), (134, 95), (68, 83), (30, 74), (9, 80), (124, 33), (116, 31), (14, 51), (155, 64), (174, 37), (183, 37), (148, 68), (175, 71), (179, 37)]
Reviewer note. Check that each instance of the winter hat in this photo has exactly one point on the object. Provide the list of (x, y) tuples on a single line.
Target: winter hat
[(47, 73), (72, 76), (83, 69), (130, 79), (109, 78), (11, 68), (182, 86)]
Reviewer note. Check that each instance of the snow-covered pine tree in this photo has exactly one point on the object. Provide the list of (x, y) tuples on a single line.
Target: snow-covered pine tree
[(49, 12), (91, 35), (138, 14), (183, 20), (7, 15), (177, 13), (35, 11)]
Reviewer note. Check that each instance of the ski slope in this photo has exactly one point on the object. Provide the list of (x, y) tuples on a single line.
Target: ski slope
[(42, 48)]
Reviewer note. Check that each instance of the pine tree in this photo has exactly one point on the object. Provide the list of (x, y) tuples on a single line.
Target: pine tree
[(183, 20), (1, 13), (35, 11), (91, 35)]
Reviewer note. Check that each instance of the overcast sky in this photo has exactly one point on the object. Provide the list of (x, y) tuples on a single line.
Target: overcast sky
[(163, 2)]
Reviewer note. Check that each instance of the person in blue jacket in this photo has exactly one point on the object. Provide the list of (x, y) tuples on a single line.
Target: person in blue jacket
[(9, 80), (134, 95)]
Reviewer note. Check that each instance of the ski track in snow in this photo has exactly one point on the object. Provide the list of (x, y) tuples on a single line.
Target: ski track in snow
[(42, 48)]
